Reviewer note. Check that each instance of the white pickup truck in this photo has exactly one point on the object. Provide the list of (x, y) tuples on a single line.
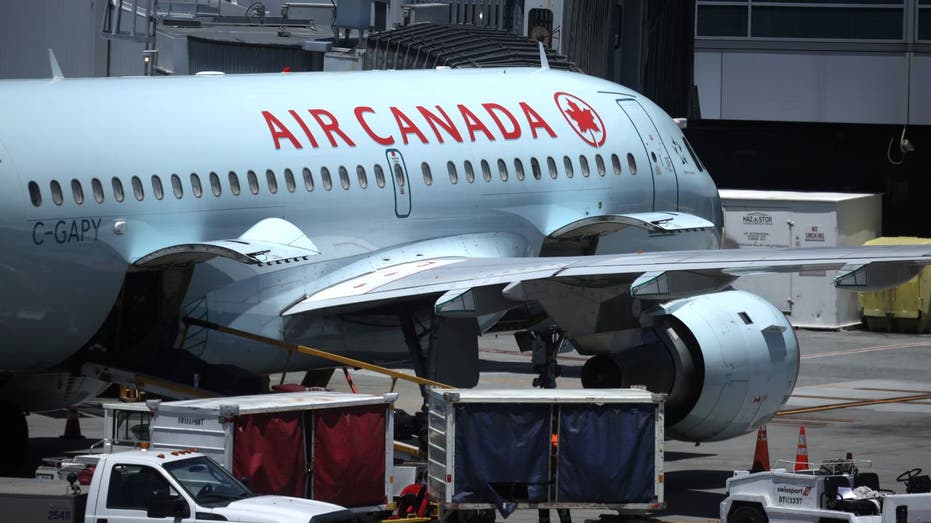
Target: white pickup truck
[(142, 486)]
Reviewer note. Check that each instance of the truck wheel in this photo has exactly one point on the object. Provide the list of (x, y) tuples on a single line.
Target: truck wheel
[(749, 513)]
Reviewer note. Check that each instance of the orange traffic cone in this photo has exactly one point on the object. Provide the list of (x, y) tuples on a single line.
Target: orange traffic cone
[(801, 456), (761, 455), (73, 425)]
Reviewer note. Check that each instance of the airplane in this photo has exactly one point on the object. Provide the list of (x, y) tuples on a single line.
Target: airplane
[(388, 216)]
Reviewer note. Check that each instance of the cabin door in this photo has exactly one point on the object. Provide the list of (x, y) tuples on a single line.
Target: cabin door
[(400, 182)]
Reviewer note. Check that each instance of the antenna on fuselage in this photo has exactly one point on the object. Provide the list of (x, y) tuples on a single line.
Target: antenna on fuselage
[(53, 62), (544, 63)]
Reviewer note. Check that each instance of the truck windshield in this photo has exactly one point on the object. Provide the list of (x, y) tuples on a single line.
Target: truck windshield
[(209, 483)]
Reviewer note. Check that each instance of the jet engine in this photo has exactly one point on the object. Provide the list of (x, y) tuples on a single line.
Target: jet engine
[(728, 361)]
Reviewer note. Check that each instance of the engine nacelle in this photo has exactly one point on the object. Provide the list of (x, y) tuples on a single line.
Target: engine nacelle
[(728, 361)]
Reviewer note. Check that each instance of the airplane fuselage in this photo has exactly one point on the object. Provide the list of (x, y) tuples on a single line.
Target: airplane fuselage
[(98, 173)]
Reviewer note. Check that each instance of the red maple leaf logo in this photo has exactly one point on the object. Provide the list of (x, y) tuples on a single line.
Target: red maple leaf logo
[(584, 118)]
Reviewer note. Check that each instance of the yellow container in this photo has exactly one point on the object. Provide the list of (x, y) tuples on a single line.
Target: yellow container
[(903, 308)]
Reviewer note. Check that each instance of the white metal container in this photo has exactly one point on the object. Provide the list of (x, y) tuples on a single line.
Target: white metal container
[(772, 219), (451, 455), (210, 425)]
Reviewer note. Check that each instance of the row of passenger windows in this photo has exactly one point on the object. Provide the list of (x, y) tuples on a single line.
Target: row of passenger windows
[(177, 187)]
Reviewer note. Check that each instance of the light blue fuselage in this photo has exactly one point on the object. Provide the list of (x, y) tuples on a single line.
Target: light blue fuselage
[(62, 266)]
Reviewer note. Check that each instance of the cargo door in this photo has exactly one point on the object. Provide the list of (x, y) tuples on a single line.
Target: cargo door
[(400, 182), (653, 158), (348, 455)]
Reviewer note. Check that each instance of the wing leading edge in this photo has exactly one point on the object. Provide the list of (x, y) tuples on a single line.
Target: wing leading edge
[(656, 275)]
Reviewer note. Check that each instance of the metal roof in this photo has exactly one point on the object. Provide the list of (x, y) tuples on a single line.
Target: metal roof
[(427, 46), (548, 395), (260, 403)]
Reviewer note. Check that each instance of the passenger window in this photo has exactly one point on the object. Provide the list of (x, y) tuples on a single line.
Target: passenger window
[(453, 175), (308, 179), (632, 164), (551, 164), (502, 170), (117, 190), (35, 195), (519, 169), (470, 173), (196, 188), (138, 191), (427, 175), (57, 195), (379, 176), (97, 188), (399, 176), (344, 177), (157, 188), (215, 184), (486, 171), (360, 175), (600, 164), (289, 180), (325, 176), (272, 181), (567, 163), (234, 183), (176, 186), (616, 163), (583, 164), (253, 181), (77, 191), (535, 167)]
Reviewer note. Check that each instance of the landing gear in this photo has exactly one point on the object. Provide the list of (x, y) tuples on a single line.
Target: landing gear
[(545, 346), (14, 438)]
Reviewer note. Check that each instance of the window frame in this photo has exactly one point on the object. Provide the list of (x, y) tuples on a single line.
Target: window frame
[(197, 189), (138, 190), (35, 193), (119, 194), (176, 187), (77, 191), (235, 187), (158, 189)]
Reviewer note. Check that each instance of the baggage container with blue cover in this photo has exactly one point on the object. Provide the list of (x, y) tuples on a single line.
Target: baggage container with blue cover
[(510, 449)]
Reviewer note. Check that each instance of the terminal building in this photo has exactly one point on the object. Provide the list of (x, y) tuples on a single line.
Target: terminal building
[(805, 95)]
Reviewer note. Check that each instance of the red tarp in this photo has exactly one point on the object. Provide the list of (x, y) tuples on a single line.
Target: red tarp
[(349, 456), (269, 450)]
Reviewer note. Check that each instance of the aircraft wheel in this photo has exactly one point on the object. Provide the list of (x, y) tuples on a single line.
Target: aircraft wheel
[(747, 514), (14, 438)]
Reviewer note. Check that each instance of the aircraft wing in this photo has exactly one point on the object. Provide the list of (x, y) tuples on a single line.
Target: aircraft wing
[(460, 281)]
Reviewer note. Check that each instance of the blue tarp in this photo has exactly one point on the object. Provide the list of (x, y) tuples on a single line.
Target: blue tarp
[(501, 444), (606, 453)]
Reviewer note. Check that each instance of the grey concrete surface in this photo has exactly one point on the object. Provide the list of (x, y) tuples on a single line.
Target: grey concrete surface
[(837, 367)]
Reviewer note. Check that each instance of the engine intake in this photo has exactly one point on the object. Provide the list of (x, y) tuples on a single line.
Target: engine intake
[(728, 361)]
